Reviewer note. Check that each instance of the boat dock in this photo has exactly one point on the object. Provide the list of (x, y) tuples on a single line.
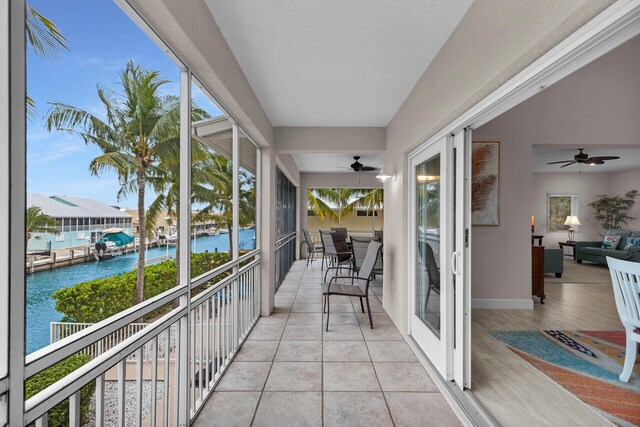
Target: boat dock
[(66, 257)]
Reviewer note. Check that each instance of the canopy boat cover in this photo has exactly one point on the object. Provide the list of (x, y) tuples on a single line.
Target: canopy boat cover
[(117, 236)]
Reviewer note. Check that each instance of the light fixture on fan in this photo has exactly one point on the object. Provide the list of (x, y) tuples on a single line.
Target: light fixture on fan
[(583, 158)]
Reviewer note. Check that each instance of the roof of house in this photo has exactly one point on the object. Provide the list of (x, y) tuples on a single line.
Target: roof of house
[(61, 206)]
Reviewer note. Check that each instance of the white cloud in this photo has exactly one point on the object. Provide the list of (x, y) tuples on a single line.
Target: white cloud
[(89, 62), (54, 148)]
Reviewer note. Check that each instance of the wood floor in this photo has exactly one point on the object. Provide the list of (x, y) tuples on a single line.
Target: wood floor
[(515, 392)]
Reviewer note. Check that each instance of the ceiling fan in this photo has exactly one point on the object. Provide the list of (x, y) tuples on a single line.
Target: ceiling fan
[(359, 167), (583, 158)]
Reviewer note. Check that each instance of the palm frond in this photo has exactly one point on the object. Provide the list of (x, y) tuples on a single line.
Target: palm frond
[(43, 36), (481, 188)]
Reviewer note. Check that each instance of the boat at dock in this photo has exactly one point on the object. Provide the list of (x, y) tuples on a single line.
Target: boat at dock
[(111, 244)]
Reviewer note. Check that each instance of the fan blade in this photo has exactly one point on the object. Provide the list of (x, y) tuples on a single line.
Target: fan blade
[(568, 164), (595, 159), (367, 169), (561, 161)]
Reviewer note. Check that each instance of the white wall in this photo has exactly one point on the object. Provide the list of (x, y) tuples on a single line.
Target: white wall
[(329, 139), (597, 105), (495, 40), (587, 186)]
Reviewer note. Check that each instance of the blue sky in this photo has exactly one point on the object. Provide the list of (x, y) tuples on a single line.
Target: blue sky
[(101, 38)]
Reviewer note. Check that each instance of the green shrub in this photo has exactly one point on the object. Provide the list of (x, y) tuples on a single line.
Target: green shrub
[(96, 300), (59, 415)]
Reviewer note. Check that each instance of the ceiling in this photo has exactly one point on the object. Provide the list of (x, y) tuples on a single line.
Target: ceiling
[(335, 63), (629, 159), (334, 162)]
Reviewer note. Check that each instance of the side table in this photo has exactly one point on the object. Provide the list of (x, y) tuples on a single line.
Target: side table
[(570, 245)]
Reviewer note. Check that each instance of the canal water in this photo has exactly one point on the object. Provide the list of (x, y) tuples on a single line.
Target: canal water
[(41, 309)]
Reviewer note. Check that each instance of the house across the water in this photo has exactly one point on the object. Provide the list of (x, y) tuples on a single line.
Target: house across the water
[(80, 221)]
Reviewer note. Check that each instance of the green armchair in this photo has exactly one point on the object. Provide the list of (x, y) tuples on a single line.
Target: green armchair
[(554, 261)]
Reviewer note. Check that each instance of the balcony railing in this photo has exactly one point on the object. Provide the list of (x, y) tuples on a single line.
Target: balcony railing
[(203, 333)]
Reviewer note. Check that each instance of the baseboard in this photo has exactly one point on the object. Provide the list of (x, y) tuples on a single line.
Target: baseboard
[(513, 304)]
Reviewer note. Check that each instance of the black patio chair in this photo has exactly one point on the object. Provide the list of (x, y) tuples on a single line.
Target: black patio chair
[(433, 272), (362, 280)]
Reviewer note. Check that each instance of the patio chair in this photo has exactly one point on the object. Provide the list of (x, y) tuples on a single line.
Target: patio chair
[(335, 255), (379, 234), (433, 271), (341, 231), (625, 276), (311, 247), (362, 279), (359, 246)]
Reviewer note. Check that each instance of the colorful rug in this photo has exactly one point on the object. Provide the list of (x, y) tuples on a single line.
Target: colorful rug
[(585, 363)]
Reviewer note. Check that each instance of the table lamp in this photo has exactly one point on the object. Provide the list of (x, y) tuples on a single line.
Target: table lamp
[(571, 221)]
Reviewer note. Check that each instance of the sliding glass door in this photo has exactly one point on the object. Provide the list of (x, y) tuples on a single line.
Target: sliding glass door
[(439, 261)]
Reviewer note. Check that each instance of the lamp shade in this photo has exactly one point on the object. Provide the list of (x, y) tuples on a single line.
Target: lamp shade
[(572, 220)]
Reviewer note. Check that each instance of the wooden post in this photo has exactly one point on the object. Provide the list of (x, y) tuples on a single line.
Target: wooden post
[(53, 259)]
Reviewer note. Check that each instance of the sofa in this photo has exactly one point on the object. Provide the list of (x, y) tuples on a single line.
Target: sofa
[(592, 250), (553, 261)]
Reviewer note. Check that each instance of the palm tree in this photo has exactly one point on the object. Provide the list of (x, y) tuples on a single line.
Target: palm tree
[(165, 180), (370, 199), (216, 192), (318, 205), (320, 198), (137, 121), (39, 222), (46, 40)]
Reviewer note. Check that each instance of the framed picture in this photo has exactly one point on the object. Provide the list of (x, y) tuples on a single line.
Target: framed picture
[(485, 182)]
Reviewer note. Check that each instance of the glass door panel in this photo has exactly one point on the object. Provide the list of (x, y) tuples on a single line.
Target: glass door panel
[(439, 292), (428, 324), (427, 285)]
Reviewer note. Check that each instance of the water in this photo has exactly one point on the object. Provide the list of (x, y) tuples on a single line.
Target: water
[(41, 309)]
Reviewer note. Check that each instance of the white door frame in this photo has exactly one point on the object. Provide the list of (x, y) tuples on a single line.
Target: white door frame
[(439, 349)]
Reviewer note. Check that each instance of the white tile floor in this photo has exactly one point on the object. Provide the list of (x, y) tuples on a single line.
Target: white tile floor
[(291, 372)]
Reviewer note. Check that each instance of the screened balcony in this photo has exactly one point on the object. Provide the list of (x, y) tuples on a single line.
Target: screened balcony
[(290, 371), (218, 360)]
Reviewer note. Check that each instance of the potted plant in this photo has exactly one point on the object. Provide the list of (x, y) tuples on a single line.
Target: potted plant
[(612, 211)]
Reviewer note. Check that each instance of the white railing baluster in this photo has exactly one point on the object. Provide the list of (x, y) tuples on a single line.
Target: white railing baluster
[(208, 363), (74, 409), (217, 335), (200, 354), (122, 391), (154, 380), (234, 298), (167, 363), (43, 421), (176, 378), (139, 387), (100, 401), (192, 362)]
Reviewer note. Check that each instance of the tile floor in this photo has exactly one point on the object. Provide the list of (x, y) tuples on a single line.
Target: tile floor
[(291, 372)]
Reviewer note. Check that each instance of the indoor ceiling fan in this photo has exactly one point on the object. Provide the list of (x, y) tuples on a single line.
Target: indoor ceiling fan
[(583, 158), (359, 167)]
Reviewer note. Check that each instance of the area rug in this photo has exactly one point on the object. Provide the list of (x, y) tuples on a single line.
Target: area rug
[(580, 273), (585, 363)]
